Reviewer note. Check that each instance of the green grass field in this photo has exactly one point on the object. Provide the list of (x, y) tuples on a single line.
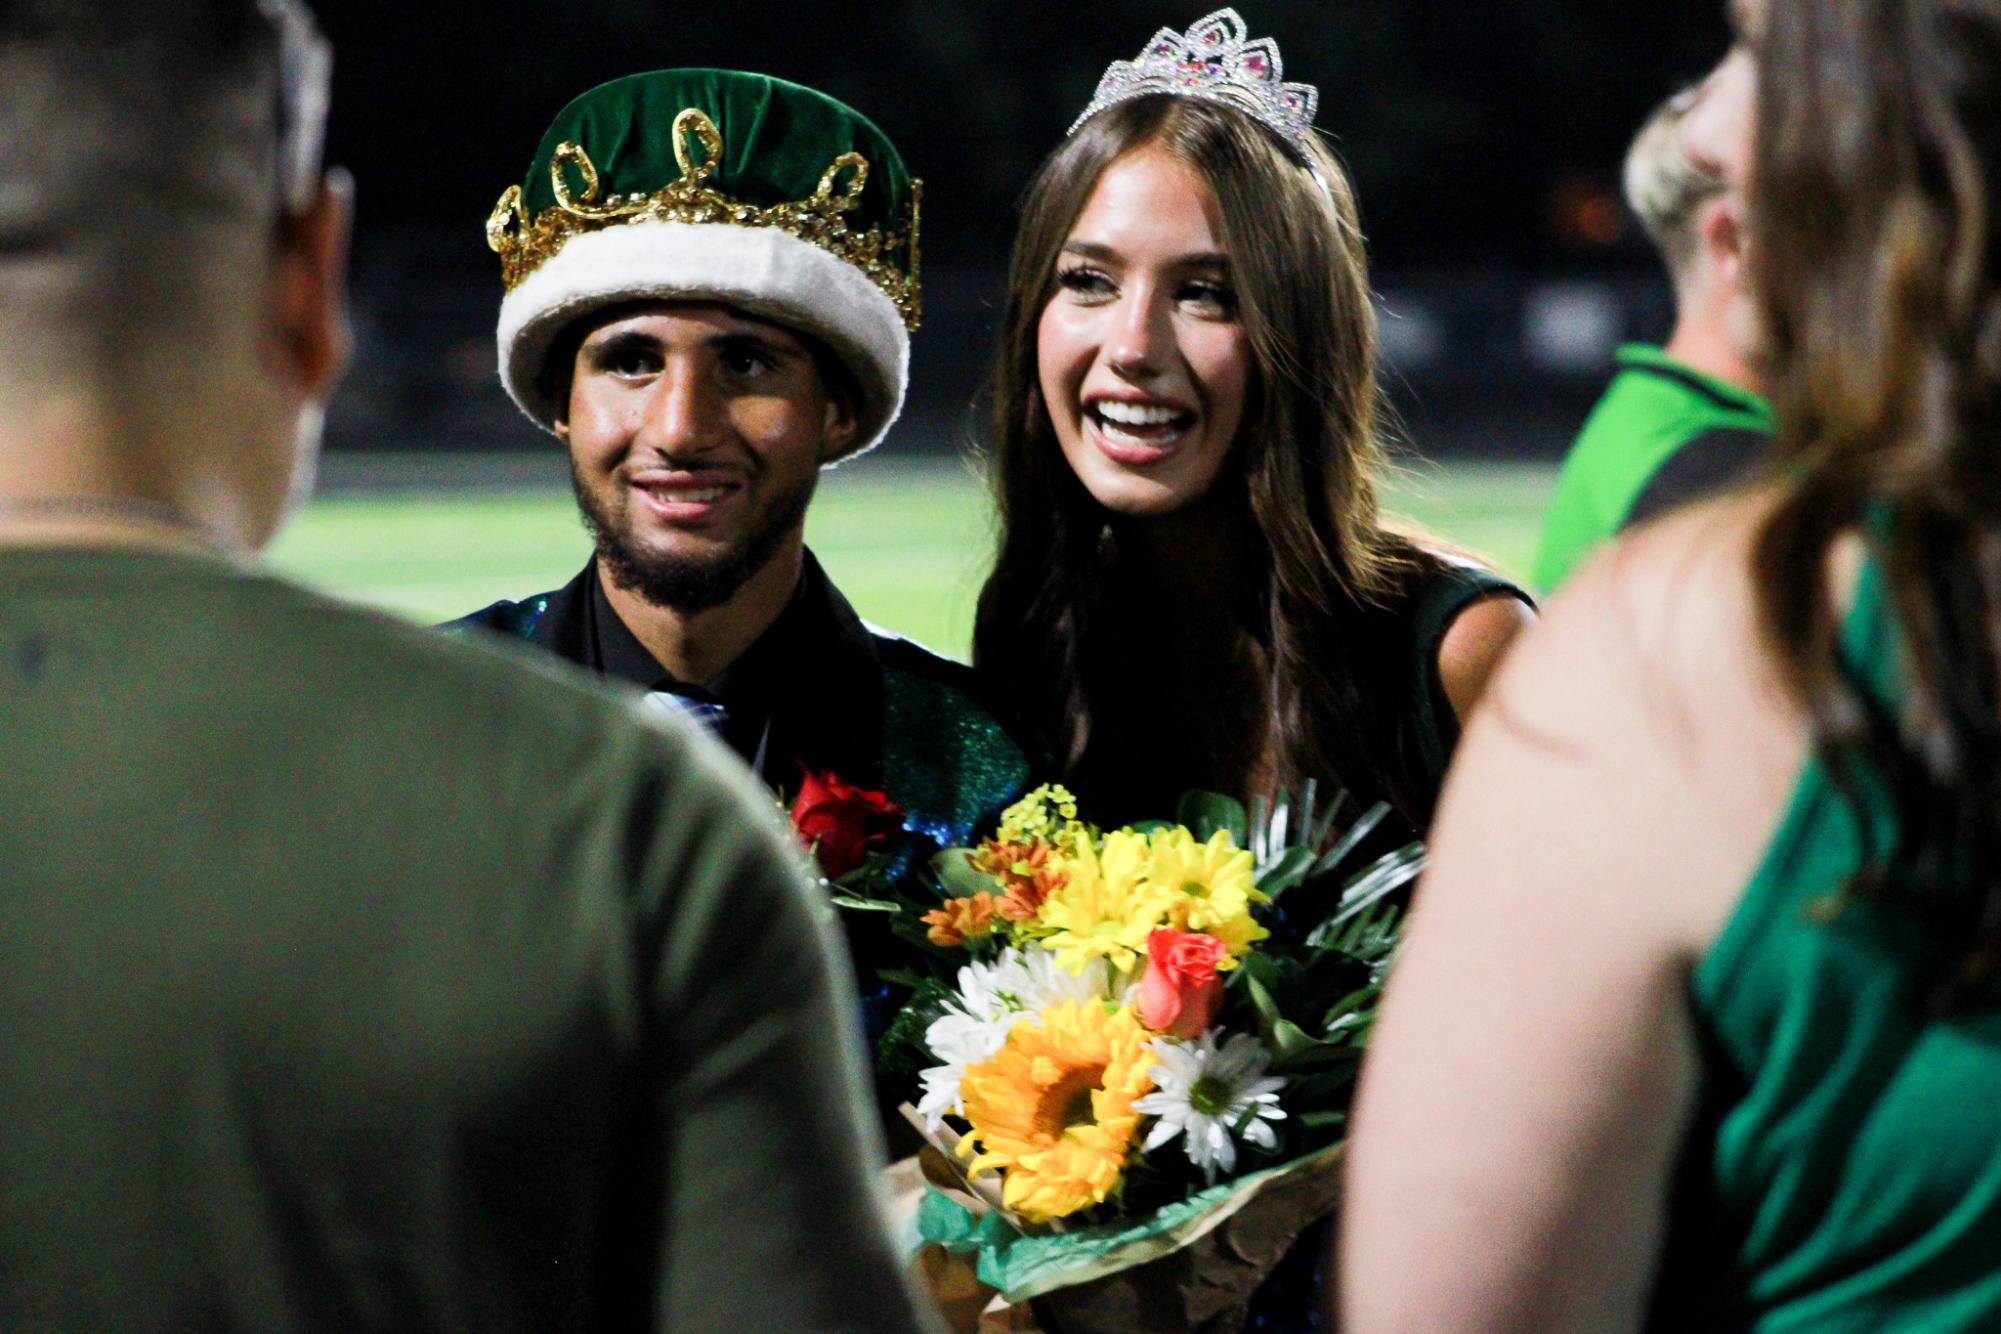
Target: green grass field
[(907, 543)]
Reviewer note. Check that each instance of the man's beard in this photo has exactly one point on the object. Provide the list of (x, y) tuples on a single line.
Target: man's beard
[(680, 583)]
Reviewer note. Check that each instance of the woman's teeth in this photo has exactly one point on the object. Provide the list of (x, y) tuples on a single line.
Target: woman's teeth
[(1136, 414), (1140, 423)]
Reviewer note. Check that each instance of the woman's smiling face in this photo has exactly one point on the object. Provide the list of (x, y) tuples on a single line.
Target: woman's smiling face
[(1142, 362)]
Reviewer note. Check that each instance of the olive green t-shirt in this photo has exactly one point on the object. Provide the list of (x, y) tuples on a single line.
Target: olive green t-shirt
[(356, 979)]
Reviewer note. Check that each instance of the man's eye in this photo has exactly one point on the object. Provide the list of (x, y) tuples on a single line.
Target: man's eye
[(628, 362)]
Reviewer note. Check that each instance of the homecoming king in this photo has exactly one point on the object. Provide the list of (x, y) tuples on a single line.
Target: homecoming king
[(711, 278)]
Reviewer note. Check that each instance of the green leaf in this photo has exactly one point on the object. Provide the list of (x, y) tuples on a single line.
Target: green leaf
[(958, 878), (1269, 1017), (1206, 812), (1287, 871), (1356, 1004), (1321, 1120), (1357, 831), (865, 905)]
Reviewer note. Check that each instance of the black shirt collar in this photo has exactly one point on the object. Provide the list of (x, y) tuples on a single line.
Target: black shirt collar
[(807, 691)]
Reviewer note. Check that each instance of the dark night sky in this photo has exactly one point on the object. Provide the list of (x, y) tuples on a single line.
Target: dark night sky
[(1462, 119)]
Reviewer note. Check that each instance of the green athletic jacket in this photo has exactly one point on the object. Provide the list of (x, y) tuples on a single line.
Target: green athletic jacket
[(1663, 433)]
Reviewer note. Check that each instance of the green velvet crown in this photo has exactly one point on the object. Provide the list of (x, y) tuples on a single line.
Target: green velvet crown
[(717, 146)]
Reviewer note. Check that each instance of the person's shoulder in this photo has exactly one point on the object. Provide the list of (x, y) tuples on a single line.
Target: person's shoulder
[(907, 663), (942, 715), (471, 689), (1464, 615), (1655, 642)]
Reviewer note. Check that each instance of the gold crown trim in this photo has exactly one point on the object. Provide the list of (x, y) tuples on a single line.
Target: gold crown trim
[(525, 245)]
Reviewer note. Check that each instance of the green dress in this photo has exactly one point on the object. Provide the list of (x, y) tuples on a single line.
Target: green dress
[(1845, 1171)]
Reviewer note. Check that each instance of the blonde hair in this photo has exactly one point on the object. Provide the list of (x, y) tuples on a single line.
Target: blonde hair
[(1663, 188)]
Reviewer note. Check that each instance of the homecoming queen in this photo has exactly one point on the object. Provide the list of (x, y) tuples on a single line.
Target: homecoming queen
[(1194, 587)]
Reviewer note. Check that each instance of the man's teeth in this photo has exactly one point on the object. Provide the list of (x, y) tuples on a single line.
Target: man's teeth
[(694, 495), (1136, 414)]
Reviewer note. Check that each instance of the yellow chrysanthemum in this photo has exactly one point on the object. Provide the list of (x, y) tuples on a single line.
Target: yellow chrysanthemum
[(1208, 887), (1054, 1111), (1105, 906)]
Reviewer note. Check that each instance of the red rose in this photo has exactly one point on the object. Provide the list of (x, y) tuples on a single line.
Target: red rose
[(839, 822), (1182, 991)]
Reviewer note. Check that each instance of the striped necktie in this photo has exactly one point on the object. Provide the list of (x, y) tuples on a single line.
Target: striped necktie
[(709, 715)]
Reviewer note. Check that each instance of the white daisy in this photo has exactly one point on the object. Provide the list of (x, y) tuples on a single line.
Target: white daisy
[(1212, 1098), (992, 999)]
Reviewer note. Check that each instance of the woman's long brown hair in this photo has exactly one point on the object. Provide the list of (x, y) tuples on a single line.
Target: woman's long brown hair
[(1875, 247), (1301, 476)]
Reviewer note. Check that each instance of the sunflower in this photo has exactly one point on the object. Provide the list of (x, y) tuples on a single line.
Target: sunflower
[(1105, 907), (1053, 1111), (1206, 887)]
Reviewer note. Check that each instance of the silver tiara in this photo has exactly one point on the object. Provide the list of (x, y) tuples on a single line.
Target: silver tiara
[(1216, 61)]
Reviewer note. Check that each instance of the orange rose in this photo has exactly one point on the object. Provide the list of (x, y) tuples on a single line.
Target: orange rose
[(1182, 990)]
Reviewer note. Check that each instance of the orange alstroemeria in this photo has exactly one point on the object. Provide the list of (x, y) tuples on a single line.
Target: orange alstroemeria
[(961, 921)]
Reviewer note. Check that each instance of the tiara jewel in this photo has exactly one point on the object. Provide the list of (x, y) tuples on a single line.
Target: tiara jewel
[(1216, 61)]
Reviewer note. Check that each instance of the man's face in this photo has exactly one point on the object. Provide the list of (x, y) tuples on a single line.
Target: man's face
[(696, 435), (1716, 132)]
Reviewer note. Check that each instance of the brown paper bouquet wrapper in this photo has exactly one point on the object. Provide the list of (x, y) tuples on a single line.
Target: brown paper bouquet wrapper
[(1201, 1286)]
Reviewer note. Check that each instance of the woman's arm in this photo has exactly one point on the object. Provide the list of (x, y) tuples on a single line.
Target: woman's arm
[(1530, 1079), (1474, 646)]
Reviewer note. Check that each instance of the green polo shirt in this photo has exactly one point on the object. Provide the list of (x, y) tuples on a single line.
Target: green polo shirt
[(1663, 433), (357, 979)]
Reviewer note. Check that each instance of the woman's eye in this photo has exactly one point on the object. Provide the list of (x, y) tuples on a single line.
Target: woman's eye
[(1084, 282), (1218, 298)]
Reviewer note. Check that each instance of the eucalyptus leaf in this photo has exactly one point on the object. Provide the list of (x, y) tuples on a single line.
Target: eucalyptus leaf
[(958, 878)]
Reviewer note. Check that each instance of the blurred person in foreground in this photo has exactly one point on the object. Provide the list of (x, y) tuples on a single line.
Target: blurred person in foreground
[(1699, 1016), (1680, 421), (711, 278), (352, 978)]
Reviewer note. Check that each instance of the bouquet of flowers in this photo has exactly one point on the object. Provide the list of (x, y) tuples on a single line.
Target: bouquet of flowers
[(1132, 1040)]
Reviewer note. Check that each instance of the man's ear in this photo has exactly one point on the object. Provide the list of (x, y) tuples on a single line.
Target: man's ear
[(840, 427), (310, 336), (1723, 238)]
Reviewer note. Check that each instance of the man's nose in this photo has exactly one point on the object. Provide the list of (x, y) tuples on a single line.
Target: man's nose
[(683, 413)]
